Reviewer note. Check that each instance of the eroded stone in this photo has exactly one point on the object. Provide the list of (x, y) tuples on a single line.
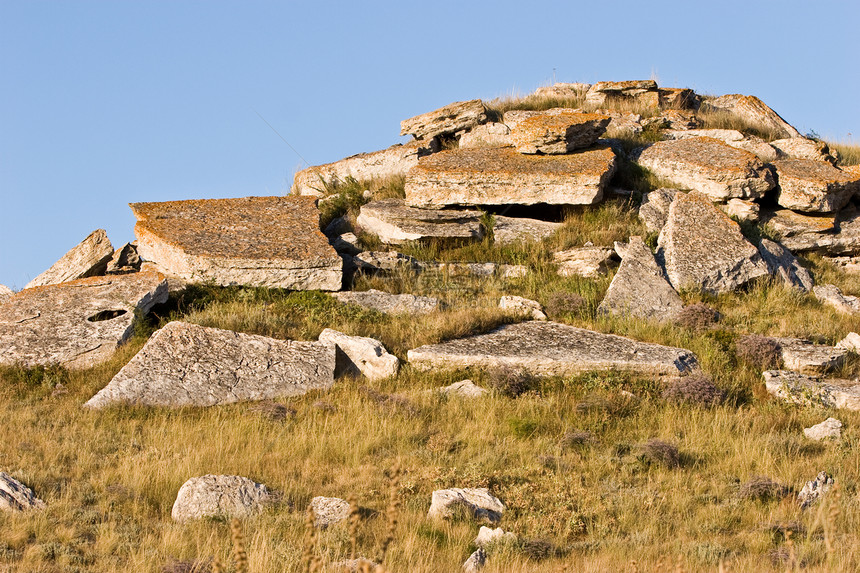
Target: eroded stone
[(476, 503), (807, 358), (5, 293), (487, 135), (654, 209), (510, 230), (15, 496), (329, 511), (803, 148), (755, 111), (814, 186), (522, 306), (464, 389), (390, 303), (124, 260), (220, 496), (361, 355), (781, 263), (829, 429), (446, 120), (395, 222), (558, 133), (640, 92), (851, 342), (88, 258), (589, 262), (739, 140), (741, 210), (832, 295)]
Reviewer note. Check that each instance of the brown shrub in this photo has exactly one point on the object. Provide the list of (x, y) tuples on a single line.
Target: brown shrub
[(760, 351), (763, 489), (694, 389), (574, 438), (511, 382), (697, 317), (659, 452)]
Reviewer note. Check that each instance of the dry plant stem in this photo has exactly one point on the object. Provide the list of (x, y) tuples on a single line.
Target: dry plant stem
[(391, 511), (240, 556), (354, 522), (309, 544)]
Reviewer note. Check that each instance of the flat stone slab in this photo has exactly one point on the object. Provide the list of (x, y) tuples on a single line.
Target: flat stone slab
[(754, 111), (77, 324), (739, 140), (504, 271), (394, 222), (184, 364), (259, 241), (803, 148), (446, 120), (220, 496), (390, 303), (562, 90), (814, 186), (640, 287), (703, 248), (801, 232), (553, 349), (588, 262), (709, 166), (832, 295), (641, 92), (813, 391), (558, 134), (15, 496), (781, 263), (511, 230), (89, 258), (501, 176), (487, 135), (805, 357)]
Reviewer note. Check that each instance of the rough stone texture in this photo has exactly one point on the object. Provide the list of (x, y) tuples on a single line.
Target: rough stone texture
[(89, 258), (753, 110), (563, 90), (830, 294), (523, 306), (395, 161), (184, 364), (77, 324), (501, 176), (15, 496), (847, 264), (475, 269), (475, 502), (395, 223), (553, 349), (678, 120), (755, 145), (509, 230), (260, 241), (487, 536), (384, 261), (487, 135), (124, 260), (589, 262), (329, 510), (558, 133), (781, 263), (829, 429), (814, 186), (359, 354), (812, 391), (623, 123), (5, 293), (710, 166), (390, 303), (640, 287), (219, 496), (803, 148), (807, 358), (476, 561), (801, 232), (464, 389), (679, 98), (703, 248), (741, 210), (850, 342), (446, 120), (814, 490), (346, 244), (655, 208), (641, 92)]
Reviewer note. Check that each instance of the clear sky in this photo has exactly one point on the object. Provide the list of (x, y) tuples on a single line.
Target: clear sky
[(106, 103)]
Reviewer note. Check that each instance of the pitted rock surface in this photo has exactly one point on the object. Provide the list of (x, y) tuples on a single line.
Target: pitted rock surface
[(395, 222), (487, 135), (553, 349), (259, 241), (501, 176), (755, 145), (702, 248), (814, 186), (389, 303), (220, 496), (446, 120), (89, 258), (710, 166), (654, 209), (589, 262), (805, 357), (781, 263), (559, 133), (185, 364), (640, 287), (832, 295), (813, 391), (5, 293), (361, 355), (803, 148), (77, 324), (813, 490), (329, 511), (477, 503), (15, 496), (508, 230), (755, 111)]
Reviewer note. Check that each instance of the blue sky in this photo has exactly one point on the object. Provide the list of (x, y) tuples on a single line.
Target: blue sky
[(106, 103)]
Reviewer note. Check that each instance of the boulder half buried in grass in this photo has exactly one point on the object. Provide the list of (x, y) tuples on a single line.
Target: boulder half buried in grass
[(220, 496)]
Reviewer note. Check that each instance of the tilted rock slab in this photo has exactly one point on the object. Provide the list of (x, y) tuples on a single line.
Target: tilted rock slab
[(395, 222), (710, 166), (384, 261), (589, 262), (813, 391), (390, 303), (782, 264), (477, 503), (15, 496), (832, 295), (640, 287), (220, 496), (259, 241), (510, 230), (124, 260), (553, 349), (89, 258), (814, 186), (5, 293), (446, 120), (755, 145), (361, 355), (803, 148), (77, 324), (501, 176), (702, 248), (755, 111), (559, 133), (185, 364), (397, 160), (805, 357)]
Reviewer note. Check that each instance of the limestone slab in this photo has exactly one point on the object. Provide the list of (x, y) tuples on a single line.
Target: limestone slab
[(395, 222), (807, 358), (558, 133), (487, 135), (361, 355), (851, 342), (562, 90), (829, 429), (220, 496), (755, 145), (501, 176), (124, 260), (5, 293), (522, 306), (803, 148), (464, 389), (654, 209), (782, 264), (477, 503), (390, 303), (446, 120), (813, 391), (832, 295), (754, 111), (802, 232), (641, 92), (88, 258), (77, 324), (510, 230), (553, 349), (384, 261), (185, 364), (741, 210), (259, 241), (329, 510), (588, 262), (814, 186)]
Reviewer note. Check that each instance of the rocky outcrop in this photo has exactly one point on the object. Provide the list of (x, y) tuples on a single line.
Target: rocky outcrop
[(831, 295), (510, 230), (446, 120), (710, 166), (741, 210), (557, 134), (589, 262), (755, 145), (124, 260), (754, 111), (829, 429), (89, 258), (702, 248), (390, 303), (5, 293), (184, 364), (553, 349), (329, 511), (813, 490), (220, 496), (812, 391), (803, 148), (640, 287), (259, 241), (361, 355), (782, 264), (814, 186), (501, 176), (654, 209), (563, 90), (807, 358), (77, 324), (609, 94), (395, 223), (15, 496), (522, 306), (476, 503), (799, 232), (487, 135)]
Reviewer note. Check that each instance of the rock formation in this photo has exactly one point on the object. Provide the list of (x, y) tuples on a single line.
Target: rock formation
[(89, 258), (220, 496)]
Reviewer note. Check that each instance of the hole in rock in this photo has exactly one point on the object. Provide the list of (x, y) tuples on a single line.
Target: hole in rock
[(106, 315)]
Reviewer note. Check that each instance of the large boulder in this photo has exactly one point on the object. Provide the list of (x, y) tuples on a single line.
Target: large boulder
[(755, 112), (259, 241), (15, 496), (813, 391), (446, 120), (390, 303), (89, 258), (501, 176), (77, 324), (782, 264), (558, 134), (185, 364), (640, 287), (220, 496), (732, 137), (476, 503), (361, 355), (509, 230), (640, 92), (395, 222), (814, 186), (703, 248), (710, 166), (553, 349)]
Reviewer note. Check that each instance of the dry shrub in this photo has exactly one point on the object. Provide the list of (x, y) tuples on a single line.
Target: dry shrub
[(538, 549), (760, 351), (563, 303), (391, 401), (575, 438), (697, 317), (695, 389), (273, 411), (511, 382), (187, 567), (763, 488), (656, 451)]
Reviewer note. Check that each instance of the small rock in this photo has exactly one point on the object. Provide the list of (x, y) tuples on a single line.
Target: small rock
[(487, 135), (655, 208), (510, 230), (812, 391), (464, 389), (220, 495), (556, 134), (741, 210), (830, 294), (359, 354), (124, 260), (346, 243), (525, 306), (383, 262), (588, 262), (390, 303), (781, 263), (395, 222), (487, 536), (329, 510), (446, 120), (678, 120), (851, 342), (15, 496), (476, 561), (477, 503), (814, 490), (814, 186), (829, 429), (89, 258)]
